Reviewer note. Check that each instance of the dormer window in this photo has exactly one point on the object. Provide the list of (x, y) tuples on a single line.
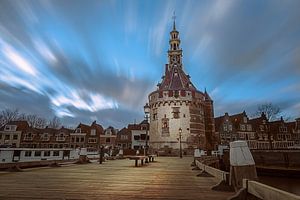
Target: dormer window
[(45, 137), (10, 128), (60, 137), (245, 119), (28, 136)]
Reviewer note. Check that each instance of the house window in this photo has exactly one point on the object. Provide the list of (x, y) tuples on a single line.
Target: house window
[(283, 129), (92, 140), (60, 137), (124, 137), (7, 127), (0, 136), (15, 137), (249, 127), (242, 127), (77, 139), (27, 153), (136, 137), (78, 130), (261, 127), (107, 140), (46, 153), (143, 136), (225, 128), (10, 128), (93, 132), (245, 119), (55, 153), (82, 139), (28, 136), (37, 153), (230, 127), (6, 137), (108, 131), (45, 137)]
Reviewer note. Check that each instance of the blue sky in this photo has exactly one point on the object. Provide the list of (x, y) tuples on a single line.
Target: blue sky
[(98, 60)]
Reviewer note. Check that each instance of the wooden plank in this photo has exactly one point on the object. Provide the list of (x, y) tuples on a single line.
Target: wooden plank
[(168, 178)]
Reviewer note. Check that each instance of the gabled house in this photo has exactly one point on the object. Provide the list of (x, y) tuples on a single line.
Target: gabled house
[(108, 137), (123, 139), (282, 134), (235, 127), (11, 133)]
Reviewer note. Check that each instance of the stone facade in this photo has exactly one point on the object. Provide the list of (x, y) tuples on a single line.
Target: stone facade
[(177, 104)]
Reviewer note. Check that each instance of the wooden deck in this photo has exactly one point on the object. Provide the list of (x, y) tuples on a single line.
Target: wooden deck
[(167, 178)]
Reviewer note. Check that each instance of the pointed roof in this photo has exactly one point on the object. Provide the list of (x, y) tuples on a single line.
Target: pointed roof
[(176, 79), (206, 95)]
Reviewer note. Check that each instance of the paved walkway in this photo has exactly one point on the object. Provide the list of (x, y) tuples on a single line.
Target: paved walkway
[(168, 178)]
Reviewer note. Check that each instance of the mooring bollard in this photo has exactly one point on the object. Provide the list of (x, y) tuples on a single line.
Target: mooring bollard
[(101, 155), (242, 164)]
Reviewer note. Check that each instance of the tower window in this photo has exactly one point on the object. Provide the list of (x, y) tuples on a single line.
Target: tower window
[(175, 112)]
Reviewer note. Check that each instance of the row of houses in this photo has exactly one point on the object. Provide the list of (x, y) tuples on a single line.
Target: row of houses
[(20, 135), (260, 133)]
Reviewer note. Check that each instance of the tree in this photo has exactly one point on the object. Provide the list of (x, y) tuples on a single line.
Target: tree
[(271, 111), (8, 115), (54, 123), (36, 121)]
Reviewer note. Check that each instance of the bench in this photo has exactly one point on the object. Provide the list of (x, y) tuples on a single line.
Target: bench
[(137, 158)]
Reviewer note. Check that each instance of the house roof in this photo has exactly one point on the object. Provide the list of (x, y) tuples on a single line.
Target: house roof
[(21, 125), (176, 79)]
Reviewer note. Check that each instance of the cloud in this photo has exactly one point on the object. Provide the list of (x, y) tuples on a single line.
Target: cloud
[(100, 60)]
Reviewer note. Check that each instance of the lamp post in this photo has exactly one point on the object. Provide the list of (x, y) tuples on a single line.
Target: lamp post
[(180, 149), (147, 112)]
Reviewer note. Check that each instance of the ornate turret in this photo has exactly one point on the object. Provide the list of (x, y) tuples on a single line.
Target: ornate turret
[(178, 105), (175, 78)]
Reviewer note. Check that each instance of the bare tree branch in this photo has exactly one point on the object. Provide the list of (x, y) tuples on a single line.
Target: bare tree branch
[(9, 115), (54, 123), (271, 111)]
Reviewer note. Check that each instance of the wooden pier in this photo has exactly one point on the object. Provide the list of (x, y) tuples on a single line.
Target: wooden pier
[(167, 178)]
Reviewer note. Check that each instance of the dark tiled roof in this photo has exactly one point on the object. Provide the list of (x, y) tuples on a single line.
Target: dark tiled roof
[(176, 79)]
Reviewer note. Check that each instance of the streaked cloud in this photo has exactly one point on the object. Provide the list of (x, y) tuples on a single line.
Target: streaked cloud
[(100, 59)]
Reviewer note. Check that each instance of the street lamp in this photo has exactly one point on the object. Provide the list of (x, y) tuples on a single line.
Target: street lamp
[(147, 112), (180, 149)]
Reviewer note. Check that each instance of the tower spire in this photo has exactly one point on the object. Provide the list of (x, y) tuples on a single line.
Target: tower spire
[(175, 52), (174, 18)]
